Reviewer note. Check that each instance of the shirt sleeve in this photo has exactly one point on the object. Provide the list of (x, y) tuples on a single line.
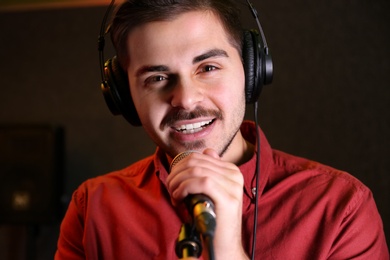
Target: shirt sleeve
[(70, 242), (361, 233)]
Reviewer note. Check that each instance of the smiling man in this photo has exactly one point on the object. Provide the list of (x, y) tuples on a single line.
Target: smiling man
[(182, 65), (187, 83)]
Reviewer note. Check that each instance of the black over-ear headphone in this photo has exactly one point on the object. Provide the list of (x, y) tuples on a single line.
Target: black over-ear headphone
[(116, 90)]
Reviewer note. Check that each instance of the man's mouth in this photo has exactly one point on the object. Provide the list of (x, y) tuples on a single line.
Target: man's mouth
[(193, 128)]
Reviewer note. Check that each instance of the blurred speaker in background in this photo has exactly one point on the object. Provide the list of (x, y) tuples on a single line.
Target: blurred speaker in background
[(31, 174)]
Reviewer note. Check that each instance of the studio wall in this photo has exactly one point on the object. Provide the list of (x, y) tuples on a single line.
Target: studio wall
[(330, 99)]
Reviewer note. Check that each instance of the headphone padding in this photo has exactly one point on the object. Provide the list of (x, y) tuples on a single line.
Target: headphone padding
[(250, 55), (117, 92)]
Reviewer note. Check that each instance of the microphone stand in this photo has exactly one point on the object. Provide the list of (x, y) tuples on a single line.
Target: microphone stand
[(189, 243)]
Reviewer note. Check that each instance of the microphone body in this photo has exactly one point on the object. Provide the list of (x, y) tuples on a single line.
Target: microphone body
[(200, 206)]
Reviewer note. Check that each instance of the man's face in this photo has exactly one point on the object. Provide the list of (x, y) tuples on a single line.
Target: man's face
[(187, 83)]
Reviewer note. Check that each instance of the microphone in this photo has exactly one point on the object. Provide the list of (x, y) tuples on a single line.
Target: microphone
[(200, 206)]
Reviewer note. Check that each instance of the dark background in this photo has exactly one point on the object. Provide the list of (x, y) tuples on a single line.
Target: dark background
[(330, 99)]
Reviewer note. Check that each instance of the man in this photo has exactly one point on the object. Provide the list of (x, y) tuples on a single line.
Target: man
[(184, 66)]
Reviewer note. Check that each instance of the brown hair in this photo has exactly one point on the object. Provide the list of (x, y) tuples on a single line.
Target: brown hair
[(133, 13)]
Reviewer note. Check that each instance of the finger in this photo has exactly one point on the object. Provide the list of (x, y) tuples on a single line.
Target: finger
[(213, 185), (212, 153), (194, 168), (209, 160)]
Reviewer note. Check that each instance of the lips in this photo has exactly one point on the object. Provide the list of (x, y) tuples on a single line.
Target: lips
[(193, 128)]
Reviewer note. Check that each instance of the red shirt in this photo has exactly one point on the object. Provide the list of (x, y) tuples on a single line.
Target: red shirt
[(306, 211)]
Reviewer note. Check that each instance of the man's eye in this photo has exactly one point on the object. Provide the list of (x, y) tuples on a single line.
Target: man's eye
[(158, 78), (208, 68), (155, 79)]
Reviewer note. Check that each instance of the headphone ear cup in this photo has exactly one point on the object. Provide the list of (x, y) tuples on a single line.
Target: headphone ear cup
[(258, 65), (116, 92), (251, 58)]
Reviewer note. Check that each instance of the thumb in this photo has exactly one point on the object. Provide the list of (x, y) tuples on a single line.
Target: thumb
[(212, 153)]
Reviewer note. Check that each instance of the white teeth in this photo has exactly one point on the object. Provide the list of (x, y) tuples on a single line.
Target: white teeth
[(193, 128)]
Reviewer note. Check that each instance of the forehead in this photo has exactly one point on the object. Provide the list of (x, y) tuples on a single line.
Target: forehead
[(186, 32)]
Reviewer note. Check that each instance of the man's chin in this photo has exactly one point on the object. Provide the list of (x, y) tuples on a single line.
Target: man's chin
[(188, 146)]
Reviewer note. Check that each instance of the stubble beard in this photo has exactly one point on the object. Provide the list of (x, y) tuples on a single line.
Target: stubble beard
[(200, 145)]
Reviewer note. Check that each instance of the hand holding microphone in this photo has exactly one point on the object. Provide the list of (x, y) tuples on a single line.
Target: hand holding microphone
[(214, 188), (200, 206)]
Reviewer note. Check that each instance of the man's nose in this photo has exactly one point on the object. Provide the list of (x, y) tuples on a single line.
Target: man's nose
[(187, 94)]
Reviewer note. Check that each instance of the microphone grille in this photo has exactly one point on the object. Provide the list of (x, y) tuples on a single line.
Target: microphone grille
[(180, 157)]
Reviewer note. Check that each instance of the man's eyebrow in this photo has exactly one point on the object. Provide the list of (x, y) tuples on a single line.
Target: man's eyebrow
[(204, 56), (210, 54), (147, 68)]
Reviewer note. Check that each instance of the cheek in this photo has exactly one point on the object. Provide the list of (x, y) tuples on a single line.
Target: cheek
[(139, 103), (151, 107), (150, 111), (234, 88)]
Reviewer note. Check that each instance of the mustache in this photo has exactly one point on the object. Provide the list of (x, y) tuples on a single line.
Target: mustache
[(179, 114)]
